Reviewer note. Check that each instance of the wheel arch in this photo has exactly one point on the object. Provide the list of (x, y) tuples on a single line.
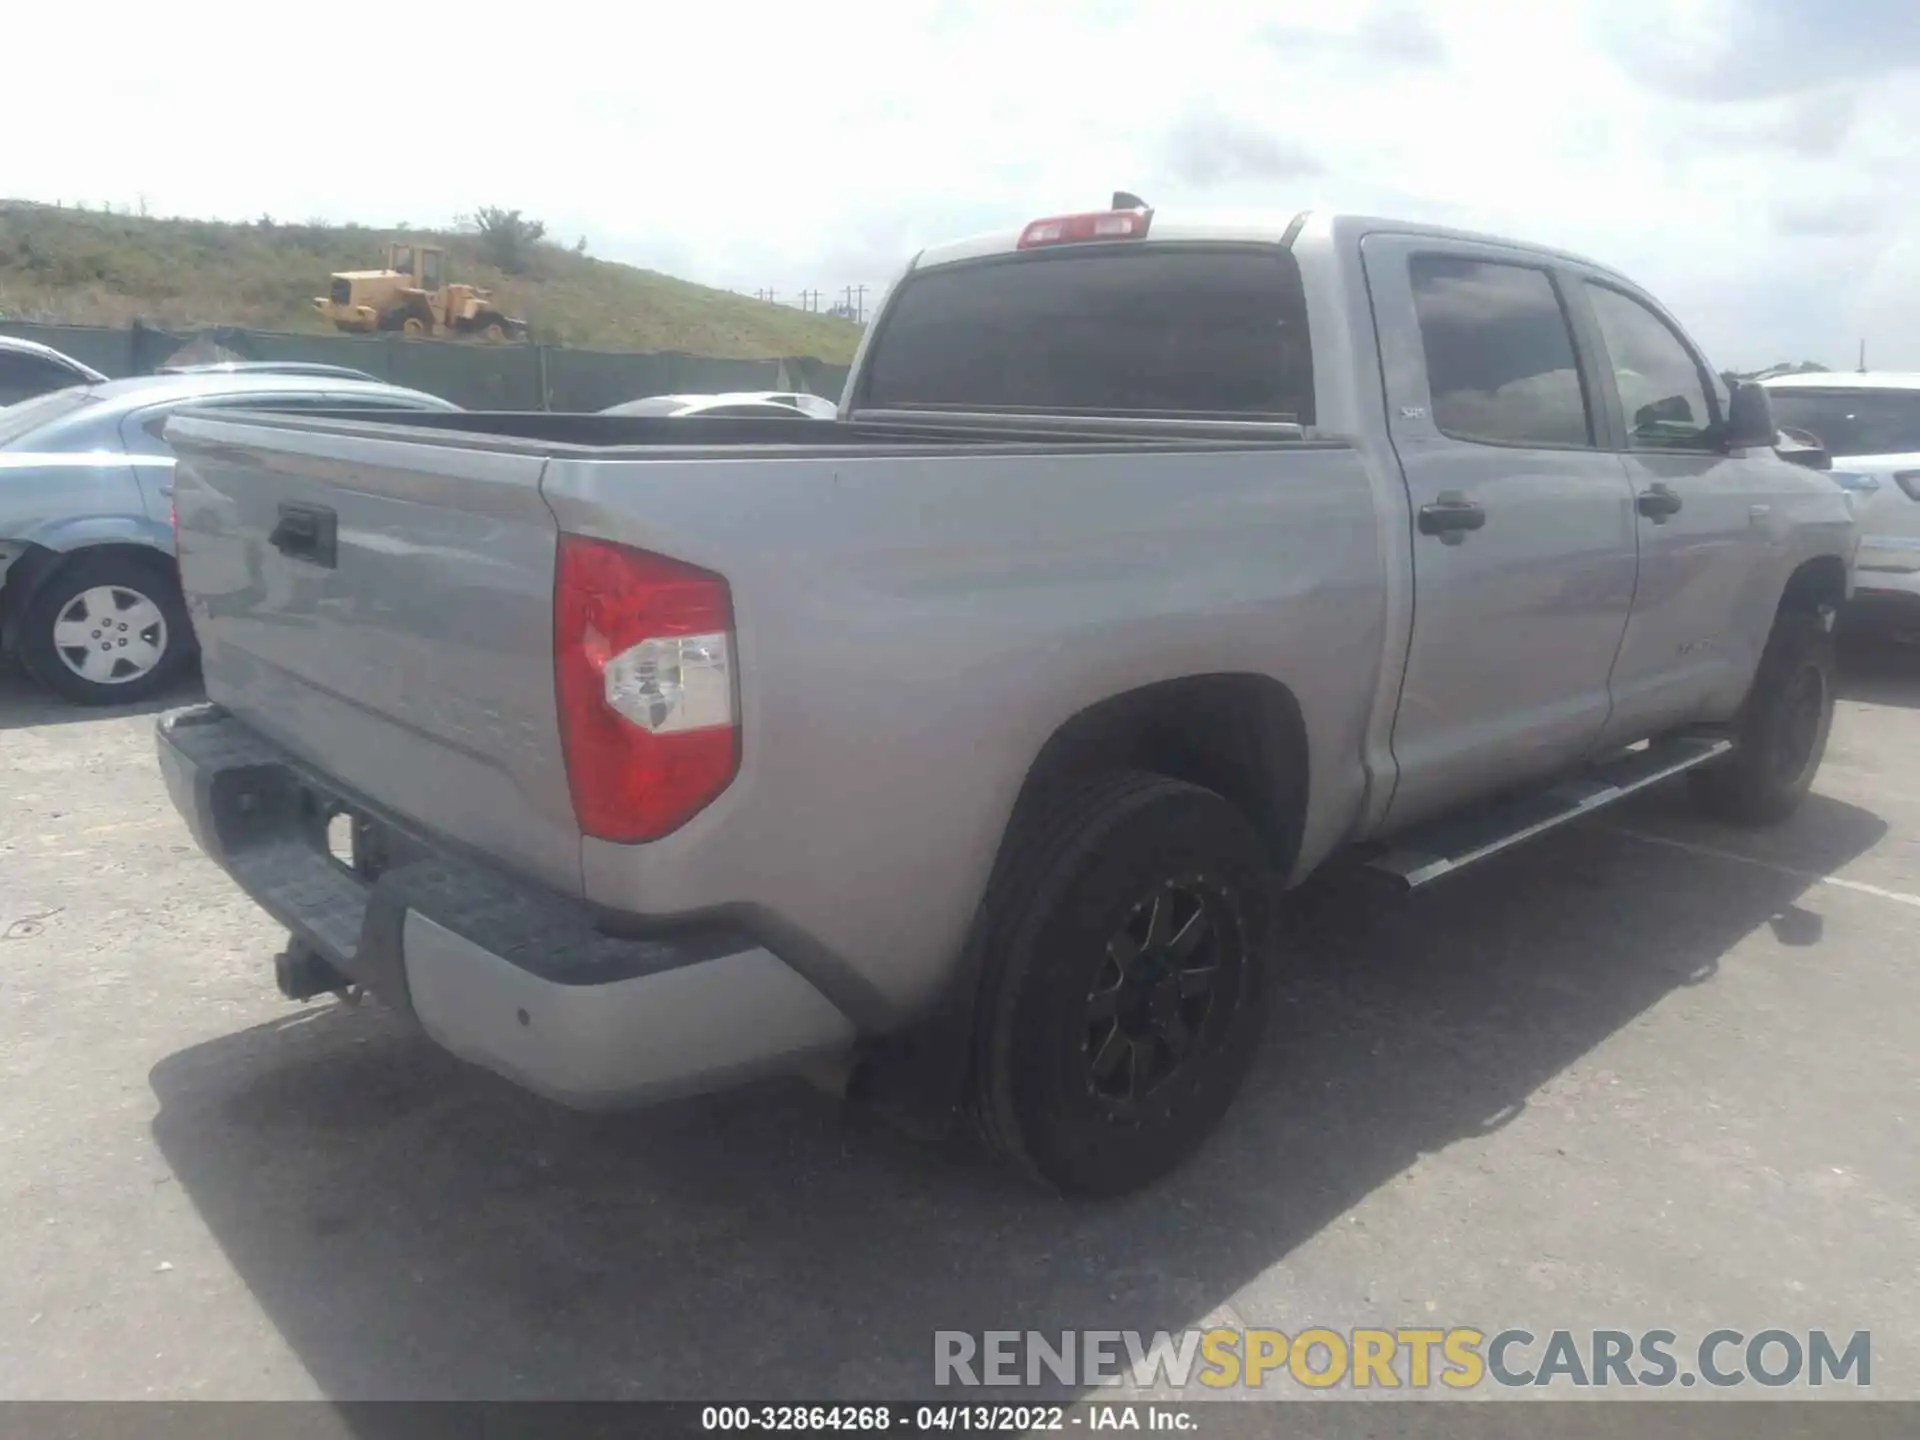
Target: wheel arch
[(1816, 584), (408, 307), (40, 563), (1239, 734)]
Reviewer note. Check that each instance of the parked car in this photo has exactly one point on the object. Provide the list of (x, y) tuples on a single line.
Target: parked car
[(89, 599), (734, 405), (1870, 427), (966, 745), (270, 367), (28, 368), (817, 407)]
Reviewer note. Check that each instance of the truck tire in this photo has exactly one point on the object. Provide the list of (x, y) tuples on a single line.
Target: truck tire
[(1126, 937), (1781, 732), (106, 629)]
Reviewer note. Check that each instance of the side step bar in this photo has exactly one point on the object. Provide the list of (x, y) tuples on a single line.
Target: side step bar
[(1426, 853)]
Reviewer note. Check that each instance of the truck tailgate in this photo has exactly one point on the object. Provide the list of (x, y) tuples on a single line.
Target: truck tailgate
[(410, 659)]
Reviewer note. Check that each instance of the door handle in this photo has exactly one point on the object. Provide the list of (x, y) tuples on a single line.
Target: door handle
[(1450, 517), (307, 532), (1657, 502)]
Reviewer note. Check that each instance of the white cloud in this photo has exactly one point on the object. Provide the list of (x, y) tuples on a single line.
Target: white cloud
[(1717, 150)]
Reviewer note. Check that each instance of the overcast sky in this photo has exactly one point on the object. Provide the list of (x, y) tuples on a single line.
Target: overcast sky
[(1754, 162)]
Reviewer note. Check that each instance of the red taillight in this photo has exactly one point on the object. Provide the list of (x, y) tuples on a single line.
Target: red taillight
[(642, 654), (173, 514), (1076, 229)]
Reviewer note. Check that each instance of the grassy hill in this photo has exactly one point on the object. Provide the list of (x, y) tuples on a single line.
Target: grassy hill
[(81, 267)]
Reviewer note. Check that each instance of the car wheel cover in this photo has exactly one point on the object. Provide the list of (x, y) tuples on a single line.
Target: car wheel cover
[(110, 635)]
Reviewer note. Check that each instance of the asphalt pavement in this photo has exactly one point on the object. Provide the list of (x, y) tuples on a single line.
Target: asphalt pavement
[(1646, 1073)]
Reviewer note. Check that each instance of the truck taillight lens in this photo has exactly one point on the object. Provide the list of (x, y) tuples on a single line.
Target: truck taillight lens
[(643, 663)]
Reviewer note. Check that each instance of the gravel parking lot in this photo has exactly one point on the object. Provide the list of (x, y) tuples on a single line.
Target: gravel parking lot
[(1646, 1073)]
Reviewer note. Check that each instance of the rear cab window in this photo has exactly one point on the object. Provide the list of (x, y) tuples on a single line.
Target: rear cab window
[(146, 430), (1852, 422), (1177, 330)]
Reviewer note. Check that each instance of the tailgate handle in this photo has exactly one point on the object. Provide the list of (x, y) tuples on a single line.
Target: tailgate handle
[(307, 532)]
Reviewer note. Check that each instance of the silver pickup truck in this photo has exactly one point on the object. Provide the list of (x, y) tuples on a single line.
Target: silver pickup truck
[(968, 741)]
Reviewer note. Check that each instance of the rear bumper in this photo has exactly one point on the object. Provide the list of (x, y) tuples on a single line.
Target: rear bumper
[(507, 975), (1891, 560), (1886, 600), (1886, 576), (1895, 576), (359, 316)]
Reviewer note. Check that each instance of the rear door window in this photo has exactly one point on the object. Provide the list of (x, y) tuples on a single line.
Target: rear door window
[(1180, 330), (375, 400), (152, 424), (1499, 350), (24, 376)]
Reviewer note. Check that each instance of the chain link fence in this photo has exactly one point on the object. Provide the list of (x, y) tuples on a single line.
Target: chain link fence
[(477, 377)]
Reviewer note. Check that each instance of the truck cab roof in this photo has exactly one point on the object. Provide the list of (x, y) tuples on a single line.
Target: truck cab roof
[(1200, 229), (1845, 380)]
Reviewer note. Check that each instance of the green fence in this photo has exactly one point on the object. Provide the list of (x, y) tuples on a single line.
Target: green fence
[(478, 377)]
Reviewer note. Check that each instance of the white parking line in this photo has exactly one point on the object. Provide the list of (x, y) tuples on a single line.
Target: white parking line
[(1810, 876)]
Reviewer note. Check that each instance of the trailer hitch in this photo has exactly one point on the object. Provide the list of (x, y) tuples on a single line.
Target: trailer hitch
[(302, 972)]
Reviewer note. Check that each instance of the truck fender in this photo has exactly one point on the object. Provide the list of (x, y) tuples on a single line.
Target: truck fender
[(1241, 735), (87, 531)]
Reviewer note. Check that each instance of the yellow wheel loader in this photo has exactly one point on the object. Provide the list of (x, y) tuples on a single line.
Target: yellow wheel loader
[(412, 297)]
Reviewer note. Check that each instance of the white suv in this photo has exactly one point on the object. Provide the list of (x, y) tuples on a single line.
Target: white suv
[(1870, 425)]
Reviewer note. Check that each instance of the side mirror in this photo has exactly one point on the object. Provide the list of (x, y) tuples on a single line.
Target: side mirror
[(1749, 419), (1802, 448)]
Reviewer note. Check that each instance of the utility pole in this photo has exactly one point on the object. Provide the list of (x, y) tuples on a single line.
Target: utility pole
[(860, 304), (1863, 355)]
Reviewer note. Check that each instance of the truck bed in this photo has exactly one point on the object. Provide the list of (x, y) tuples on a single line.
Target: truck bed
[(555, 433), (916, 605)]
